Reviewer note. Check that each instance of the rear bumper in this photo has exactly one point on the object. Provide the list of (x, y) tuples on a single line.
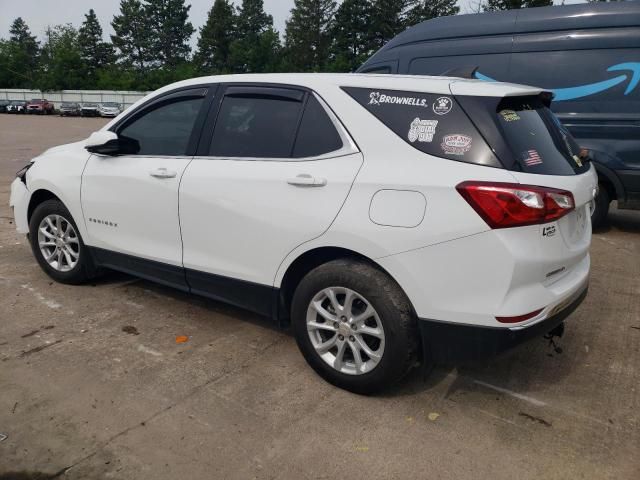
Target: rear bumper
[(458, 343)]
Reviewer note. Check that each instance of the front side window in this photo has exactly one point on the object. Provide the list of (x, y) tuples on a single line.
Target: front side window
[(164, 130)]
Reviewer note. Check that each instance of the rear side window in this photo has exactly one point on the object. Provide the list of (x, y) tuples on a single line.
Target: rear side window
[(317, 134), (433, 124), (267, 124), (255, 127)]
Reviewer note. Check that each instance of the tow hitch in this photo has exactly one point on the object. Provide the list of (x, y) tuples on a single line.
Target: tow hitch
[(551, 336)]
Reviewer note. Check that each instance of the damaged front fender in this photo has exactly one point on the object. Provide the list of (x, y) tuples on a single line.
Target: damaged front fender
[(19, 202)]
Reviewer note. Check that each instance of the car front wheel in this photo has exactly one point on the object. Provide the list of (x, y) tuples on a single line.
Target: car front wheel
[(354, 326), (57, 245)]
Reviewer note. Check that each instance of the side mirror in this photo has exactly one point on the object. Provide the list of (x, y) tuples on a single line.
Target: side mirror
[(103, 142)]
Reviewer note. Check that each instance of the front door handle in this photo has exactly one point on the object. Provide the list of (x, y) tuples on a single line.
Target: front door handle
[(306, 180), (163, 173)]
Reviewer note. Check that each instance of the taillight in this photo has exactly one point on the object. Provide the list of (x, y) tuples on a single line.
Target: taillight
[(519, 318), (504, 205)]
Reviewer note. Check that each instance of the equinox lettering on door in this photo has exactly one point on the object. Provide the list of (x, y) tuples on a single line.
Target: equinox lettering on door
[(377, 98), (103, 222)]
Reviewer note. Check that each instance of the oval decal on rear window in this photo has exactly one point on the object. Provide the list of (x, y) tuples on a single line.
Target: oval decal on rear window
[(456, 144)]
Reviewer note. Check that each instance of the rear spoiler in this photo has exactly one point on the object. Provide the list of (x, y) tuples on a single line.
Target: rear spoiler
[(470, 73)]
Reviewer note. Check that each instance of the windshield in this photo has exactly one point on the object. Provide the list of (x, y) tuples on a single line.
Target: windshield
[(110, 105)]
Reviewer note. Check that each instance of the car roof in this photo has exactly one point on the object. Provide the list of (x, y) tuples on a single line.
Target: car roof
[(412, 83), (526, 20)]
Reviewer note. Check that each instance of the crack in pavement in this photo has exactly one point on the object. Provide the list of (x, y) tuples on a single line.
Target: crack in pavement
[(160, 412)]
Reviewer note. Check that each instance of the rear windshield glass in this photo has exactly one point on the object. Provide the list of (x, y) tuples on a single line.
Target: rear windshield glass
[(538, 141), (432, 123), (526, 135)]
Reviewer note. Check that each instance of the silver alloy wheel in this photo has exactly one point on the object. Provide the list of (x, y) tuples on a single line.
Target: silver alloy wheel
[(59, 243), (345, 330)]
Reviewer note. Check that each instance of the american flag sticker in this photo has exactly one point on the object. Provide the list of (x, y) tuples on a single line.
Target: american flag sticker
[(531, 158)]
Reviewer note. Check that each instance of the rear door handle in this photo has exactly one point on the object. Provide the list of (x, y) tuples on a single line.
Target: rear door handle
[(306, 180), (163, 173)]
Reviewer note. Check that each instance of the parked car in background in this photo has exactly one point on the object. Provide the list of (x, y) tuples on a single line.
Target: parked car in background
[(69, 109), (41, 106), (588, 55), (109, 109), (90, 110), (406, 215), (17, 106), (3, 105)]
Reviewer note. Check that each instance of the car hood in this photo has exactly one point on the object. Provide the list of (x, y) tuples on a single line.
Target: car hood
[(67, 147)]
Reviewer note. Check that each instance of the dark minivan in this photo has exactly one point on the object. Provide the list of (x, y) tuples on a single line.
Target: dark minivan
[(588, 55)]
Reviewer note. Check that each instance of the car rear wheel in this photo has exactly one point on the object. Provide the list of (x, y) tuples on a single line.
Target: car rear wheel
[(57, 245), (354, 326)]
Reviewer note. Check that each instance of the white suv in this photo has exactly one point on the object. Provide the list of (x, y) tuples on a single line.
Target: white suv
[(388, 219)]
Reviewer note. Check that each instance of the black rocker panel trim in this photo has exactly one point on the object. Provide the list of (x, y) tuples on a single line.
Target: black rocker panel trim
[(255, 297), (158, 272)]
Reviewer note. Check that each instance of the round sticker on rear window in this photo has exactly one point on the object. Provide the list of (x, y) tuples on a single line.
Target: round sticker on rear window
[(456, 144), (442, 106)]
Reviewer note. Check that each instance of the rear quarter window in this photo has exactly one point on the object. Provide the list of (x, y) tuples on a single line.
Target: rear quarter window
[(432, 123)]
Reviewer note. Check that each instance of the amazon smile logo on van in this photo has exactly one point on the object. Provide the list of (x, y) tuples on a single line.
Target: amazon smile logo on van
[(581, 91), (377, 98)]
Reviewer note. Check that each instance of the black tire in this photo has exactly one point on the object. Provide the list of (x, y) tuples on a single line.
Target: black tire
[(84, 269), (601, 210), (392, 306)]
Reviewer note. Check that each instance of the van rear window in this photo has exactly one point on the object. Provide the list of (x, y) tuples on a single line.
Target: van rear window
[(432, 123)]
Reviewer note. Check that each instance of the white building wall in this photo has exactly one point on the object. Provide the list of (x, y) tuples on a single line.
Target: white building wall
[(124, 98)]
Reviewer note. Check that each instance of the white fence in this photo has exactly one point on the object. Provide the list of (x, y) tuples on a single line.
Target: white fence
[(124, 98)]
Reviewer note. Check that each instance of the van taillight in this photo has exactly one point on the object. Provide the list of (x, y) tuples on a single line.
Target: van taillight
[(504, 205)]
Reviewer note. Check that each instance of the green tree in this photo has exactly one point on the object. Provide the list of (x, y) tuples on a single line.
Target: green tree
[(169, 21), (352, 38), (6, 77), (21, 55), (216, 36), (421, 10), (308, 34), (95, 52), (493, 5), (132, 35), (62, 64), (387, 20), (257, 44)]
